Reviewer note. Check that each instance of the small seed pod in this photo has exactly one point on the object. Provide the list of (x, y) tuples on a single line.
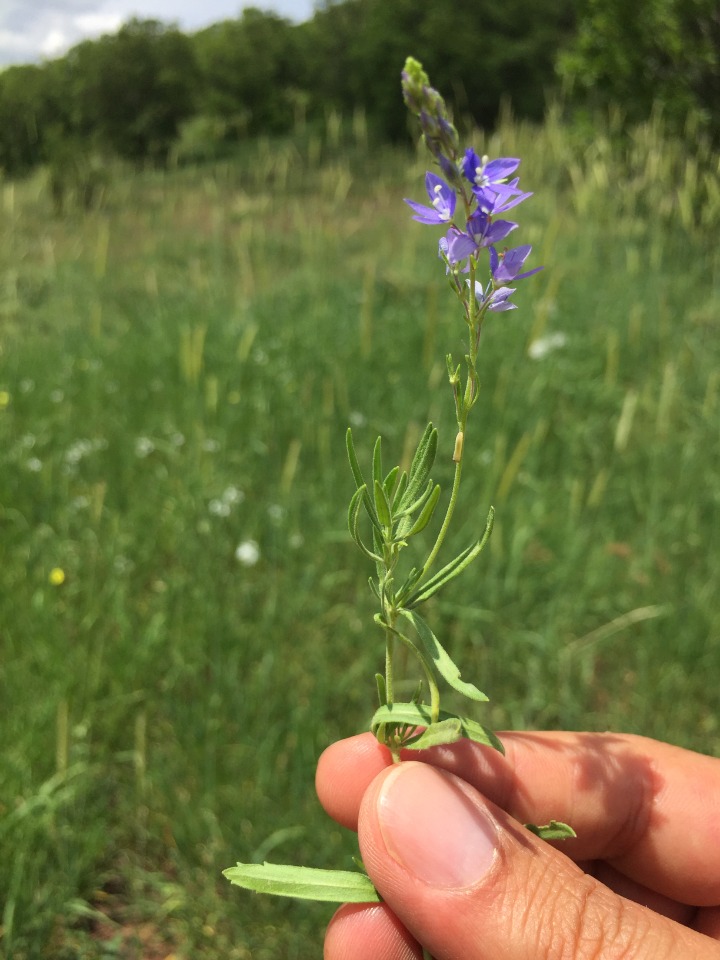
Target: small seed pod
[(457, 453)]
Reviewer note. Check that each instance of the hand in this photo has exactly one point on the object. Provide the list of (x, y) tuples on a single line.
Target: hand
[(443, 843)]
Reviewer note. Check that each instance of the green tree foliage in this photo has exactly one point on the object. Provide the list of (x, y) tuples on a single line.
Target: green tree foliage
[(482, 52), (247, 70), (26, 106), (129, 92), (636, 54)]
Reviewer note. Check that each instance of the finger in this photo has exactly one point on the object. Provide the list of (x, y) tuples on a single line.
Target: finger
[(651, 809), (345, 770), (358, 931), (468, 881)]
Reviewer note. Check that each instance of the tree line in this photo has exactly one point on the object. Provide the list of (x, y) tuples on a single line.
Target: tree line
[(133, 94)]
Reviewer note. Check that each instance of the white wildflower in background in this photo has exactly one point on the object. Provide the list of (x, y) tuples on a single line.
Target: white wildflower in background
[(247, 553), (34, 465), (80, 449), (357, 419), (541, 347), (57, 396), (27, 385), (277, 512), (210, 445), (232, 496), (222, 505), (144, 447)]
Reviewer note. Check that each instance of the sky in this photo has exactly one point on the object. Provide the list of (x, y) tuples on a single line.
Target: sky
[(35, 30)]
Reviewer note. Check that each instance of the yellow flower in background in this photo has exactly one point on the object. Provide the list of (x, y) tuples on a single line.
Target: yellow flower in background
[(57, 576), (4, 399)]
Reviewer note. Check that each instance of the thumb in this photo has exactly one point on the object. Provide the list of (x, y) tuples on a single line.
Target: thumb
[(468, 881)]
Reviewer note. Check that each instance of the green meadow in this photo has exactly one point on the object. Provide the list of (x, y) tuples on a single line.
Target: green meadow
[(184, 621)]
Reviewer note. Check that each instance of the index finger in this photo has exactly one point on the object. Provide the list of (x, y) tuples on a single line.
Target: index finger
[(650, 809)]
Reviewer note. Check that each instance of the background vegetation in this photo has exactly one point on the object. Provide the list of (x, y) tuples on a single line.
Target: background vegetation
[(177, 371), (184, 623), (151, 93)]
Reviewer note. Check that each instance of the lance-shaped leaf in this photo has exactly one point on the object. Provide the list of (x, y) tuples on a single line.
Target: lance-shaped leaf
[(389, 482), (452, 569), (441, 659), (406, 512), (382, 507), (377, 461), (420, 715), (555, 830), (306, 883), (353, 516), (421, 466), (426, 513), (438, 734), (359, 479), (400, 492)]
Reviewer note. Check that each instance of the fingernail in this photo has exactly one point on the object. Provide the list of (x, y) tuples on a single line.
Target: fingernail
[(433, 828)]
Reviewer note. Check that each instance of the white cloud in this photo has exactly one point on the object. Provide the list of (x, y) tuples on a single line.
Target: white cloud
[(94, 24), (32, 30), (15, 42), (54, 43)]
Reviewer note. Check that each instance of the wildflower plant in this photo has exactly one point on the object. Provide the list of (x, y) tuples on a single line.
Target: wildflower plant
[(468, 199)]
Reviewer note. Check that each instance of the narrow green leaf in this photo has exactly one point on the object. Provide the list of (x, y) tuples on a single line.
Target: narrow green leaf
[(419, 715), (413, 507), (410, 581), (356, 502), (359, 479), (441, 658), (389, 483), (382, 507), (452, 569), (426, 513), (421, 465), (401, 488), (352, 457), (306, 883), (377, 461), (437, 734), (555, 830), (382, 692)]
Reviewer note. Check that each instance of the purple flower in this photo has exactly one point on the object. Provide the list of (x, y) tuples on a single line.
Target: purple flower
[(481, 232), (497, 300), (443, 201), (499, 197), (482, 173), (506, 267)]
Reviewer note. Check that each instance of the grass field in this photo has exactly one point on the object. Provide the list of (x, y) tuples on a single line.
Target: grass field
[(184, 622)]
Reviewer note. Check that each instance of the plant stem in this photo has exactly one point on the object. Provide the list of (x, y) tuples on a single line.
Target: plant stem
[(446, 522)]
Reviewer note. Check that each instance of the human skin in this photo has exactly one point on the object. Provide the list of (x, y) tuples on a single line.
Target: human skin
[(442, 839)]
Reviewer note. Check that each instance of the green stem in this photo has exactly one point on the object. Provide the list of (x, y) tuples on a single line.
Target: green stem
[(446, 522), (389, 650)]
